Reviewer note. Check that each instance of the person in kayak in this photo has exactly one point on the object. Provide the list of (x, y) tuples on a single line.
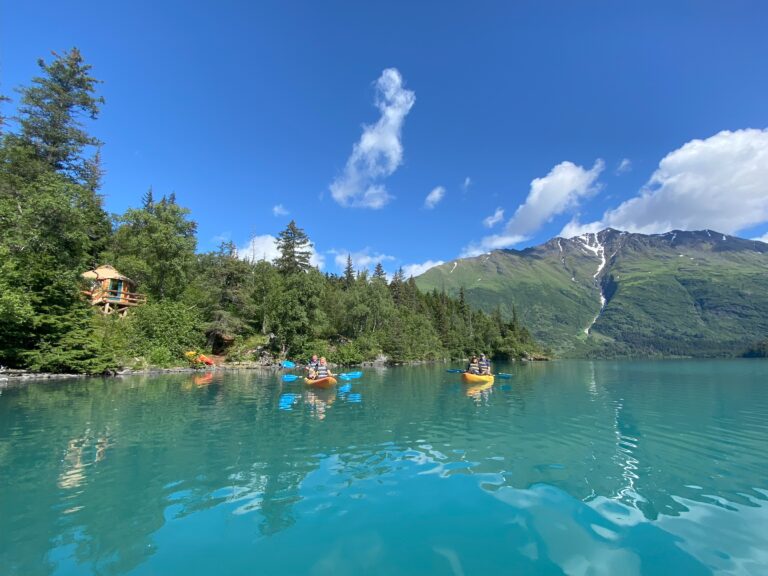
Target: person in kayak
[(311, 367), (484, 364), (473, 367), (322, 370)]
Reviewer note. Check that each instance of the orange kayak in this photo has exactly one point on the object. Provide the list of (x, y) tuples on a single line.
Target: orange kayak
[(476, 378), (326, 382)]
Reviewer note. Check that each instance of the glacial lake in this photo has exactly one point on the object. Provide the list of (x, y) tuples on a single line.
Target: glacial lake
[(566, 467)]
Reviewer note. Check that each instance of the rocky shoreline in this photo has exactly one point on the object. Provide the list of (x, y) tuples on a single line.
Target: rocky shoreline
[(8, 377)]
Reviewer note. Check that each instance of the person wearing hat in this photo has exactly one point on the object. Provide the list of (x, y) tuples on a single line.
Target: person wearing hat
[(484, 364)]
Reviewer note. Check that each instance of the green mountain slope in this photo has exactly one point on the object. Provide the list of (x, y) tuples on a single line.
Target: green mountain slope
[(615, 293)]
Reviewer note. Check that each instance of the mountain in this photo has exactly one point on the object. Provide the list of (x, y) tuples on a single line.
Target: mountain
[(615, 293)]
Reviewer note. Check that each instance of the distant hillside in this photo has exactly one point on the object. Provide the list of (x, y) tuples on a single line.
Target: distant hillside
[(615, 293)]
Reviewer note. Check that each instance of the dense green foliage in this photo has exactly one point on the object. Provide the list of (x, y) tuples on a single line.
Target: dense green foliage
[(53, 228), (676, 294)]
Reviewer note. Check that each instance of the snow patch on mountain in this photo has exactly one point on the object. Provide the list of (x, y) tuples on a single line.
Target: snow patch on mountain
[(591, 242)]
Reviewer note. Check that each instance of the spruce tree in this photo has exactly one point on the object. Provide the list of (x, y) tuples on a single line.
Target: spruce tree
[(294, 247), (379, 274), (349, 273), (51, 111)]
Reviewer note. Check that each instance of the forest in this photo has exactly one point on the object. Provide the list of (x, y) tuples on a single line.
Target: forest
[(54, 227)]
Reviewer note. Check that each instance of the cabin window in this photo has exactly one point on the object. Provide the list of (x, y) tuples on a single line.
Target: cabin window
[(115, 289)]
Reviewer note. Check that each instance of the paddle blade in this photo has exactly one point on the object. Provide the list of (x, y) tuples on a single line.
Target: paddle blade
[(454, 370), (289, 377), (288, 364), (504, 375)]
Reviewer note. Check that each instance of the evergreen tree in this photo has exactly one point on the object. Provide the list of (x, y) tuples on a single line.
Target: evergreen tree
[(3, 100), (51, 110), (396, 286), (148, 200), (294, 247), (155, 246), (349, 273), (378, 273), (52, 226)]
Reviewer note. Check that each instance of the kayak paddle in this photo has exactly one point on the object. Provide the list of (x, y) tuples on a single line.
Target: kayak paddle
[(454, 370), (504, 375), (290, 377), (288, 364)]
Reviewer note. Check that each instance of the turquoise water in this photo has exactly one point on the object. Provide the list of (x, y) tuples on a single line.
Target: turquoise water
[(567, 467)]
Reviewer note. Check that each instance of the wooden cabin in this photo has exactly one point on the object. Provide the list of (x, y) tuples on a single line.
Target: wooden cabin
[(112, 291)]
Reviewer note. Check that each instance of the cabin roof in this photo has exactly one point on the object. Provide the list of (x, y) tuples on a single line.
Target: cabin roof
[(105, 272)]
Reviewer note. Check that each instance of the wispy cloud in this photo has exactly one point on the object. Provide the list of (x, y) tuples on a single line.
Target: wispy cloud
[(264, 247), (549, 196), (720, 183), (763, 238), (279, 210), (497, 217), (418, 269), (434, 197), (379, 152), (624, 166), (467, 183), (223, 237)]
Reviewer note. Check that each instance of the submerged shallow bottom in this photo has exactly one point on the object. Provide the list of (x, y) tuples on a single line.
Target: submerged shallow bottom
[(567, 467)]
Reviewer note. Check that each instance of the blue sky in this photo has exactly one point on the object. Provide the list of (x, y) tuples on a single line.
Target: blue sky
[(520, 120)]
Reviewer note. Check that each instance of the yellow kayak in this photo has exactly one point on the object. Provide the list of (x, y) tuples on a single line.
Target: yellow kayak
[(326, 382), (476, 378)]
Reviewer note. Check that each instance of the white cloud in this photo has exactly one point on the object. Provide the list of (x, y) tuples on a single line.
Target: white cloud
[(317, 259), (467, 183), (260, 248), (549, 196), (489, 243), (553, 194), (265, 248), (497, 217), (365, 258), (763, 238), (624, 166), (418, 269), (279, 210), (379, 152), (434, 197), (575, 228), (720, 183)]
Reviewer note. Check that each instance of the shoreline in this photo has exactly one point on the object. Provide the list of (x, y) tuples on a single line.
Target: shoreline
[(15, 376)]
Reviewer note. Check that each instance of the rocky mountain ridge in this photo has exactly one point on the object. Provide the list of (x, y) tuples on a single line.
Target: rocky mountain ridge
[(614, 293)]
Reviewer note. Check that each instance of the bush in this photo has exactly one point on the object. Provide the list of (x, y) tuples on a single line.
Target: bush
[(164, 331)]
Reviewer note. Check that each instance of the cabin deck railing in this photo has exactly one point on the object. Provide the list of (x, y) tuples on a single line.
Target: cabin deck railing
[(120, 297)]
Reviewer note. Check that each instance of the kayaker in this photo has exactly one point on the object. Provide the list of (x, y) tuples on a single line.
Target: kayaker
[(312, 365), (322, 369), (473, 367), (484, 364)]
